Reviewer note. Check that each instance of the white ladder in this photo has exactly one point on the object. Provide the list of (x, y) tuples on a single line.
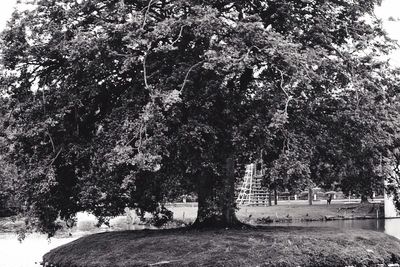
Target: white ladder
[(246, 190)]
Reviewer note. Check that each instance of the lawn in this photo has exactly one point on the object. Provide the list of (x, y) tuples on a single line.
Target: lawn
[(258, 246)]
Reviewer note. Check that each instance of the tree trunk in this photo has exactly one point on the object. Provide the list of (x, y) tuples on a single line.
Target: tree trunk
[(275, 197), (310, 196), (216, 200), (364, 198), (269, 197), (229, 204)]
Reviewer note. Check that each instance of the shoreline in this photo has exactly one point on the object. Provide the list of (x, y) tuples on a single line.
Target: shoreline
[(325, 219), (183, 216)]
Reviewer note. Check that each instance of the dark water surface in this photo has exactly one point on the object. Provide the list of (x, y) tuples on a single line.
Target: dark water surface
[(388, 226)]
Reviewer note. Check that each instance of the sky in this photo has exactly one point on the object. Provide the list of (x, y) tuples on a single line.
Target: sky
[(389, 12), (6, 8)]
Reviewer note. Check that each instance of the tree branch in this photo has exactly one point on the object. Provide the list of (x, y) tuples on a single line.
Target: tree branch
[(145, 14), (187, 74), (54, 159), (51, 141), (288, 97), (179, 36), (144, 71)]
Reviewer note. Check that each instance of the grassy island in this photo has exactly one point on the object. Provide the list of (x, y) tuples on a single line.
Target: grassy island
[(256, 246)]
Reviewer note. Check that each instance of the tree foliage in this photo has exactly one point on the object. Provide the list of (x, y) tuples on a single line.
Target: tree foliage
[(8, 170), (132, 103)]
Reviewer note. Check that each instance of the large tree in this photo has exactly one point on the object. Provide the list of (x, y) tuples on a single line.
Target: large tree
[(133, 102)]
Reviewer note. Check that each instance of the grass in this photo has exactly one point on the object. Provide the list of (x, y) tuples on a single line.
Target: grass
[(258, 246)]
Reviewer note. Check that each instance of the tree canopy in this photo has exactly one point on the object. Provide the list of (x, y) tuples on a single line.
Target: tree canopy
[(130, 103)]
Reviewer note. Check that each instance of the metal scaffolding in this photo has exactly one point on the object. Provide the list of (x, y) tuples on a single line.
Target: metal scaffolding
[(251, 191)]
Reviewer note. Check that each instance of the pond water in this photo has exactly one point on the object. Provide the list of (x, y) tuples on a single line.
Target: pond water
[(29, 252), (388, 226)]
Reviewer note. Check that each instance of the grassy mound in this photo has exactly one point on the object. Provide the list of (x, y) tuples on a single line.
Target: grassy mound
[(261, 246)]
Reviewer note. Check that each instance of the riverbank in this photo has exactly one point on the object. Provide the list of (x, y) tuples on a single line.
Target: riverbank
[(258, 246), (186, 214), (294, 211), (304, 213)]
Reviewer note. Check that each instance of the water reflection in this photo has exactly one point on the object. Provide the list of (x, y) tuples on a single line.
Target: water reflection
[(27, 253), (392, 227), (388, 226)]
